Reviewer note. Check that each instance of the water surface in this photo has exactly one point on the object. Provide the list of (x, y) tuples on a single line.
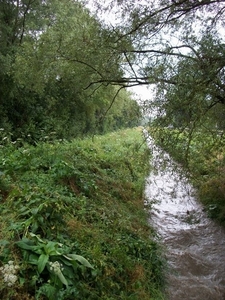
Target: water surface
[(194, 244)]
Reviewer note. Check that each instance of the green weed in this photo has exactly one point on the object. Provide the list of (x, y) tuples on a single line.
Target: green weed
[(74, 220)]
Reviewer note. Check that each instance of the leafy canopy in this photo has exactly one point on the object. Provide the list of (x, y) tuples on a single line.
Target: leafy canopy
[(57, 62), (178, 49)]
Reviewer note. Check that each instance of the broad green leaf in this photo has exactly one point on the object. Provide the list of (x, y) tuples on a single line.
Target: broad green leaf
[(62, 278), (24, 245), (66, 260), (43, 259), (81, 259), (51, 247), (33, 259)]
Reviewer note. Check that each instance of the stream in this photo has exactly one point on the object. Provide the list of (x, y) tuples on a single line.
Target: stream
[(194, 244)]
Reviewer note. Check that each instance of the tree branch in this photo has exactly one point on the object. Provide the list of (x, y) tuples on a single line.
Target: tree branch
[(111, 104), (164, 52)]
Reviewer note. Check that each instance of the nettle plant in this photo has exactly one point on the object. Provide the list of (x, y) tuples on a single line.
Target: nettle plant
[(50, 266)]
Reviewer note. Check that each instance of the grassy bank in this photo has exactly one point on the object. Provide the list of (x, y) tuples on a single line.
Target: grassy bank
[(73, 225), (202, 153)]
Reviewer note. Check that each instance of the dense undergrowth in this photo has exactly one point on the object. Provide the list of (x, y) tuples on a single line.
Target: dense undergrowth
[(202, 153), (73, 225)]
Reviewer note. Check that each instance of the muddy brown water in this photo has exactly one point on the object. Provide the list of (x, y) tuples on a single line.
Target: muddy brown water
[(194, 244)]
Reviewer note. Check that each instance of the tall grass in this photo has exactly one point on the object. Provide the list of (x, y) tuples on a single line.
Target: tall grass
[(73, 223)]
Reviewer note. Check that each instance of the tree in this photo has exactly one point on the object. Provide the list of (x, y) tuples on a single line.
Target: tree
[(56, 69), (20, 22), (177, 47)]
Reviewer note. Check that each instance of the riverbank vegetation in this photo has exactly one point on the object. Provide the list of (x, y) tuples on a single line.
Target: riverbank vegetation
[(51, 53), (77, 204), (73, 223), (202, 154)]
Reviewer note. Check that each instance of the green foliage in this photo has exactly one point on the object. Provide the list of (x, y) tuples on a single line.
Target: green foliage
[(174, 52), (54, 56), (196, 97), (53, 262), (73, 220)]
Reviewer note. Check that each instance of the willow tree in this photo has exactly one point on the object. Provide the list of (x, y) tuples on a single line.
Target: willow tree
[(178, 49), (56, 65)]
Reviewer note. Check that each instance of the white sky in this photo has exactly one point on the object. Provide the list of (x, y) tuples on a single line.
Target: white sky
[(141, 92)]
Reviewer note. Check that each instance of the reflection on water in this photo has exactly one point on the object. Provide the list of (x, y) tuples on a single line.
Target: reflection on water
[(195, 245)]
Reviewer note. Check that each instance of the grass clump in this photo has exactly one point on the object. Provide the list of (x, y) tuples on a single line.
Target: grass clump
[(72, 219)]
